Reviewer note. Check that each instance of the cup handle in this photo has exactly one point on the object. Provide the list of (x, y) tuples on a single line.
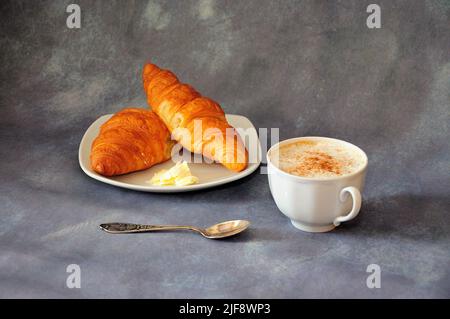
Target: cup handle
[(356, 195)]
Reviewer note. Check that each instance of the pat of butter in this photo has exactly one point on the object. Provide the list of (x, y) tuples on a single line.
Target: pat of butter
[(178, 175)]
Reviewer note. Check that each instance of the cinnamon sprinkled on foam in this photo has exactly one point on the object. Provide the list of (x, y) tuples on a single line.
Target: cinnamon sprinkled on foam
[(310, 158)]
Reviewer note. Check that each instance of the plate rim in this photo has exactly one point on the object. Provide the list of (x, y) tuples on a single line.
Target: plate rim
[(172, 189)]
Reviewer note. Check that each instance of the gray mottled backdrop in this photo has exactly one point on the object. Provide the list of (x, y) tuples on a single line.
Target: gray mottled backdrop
[(307, 67)]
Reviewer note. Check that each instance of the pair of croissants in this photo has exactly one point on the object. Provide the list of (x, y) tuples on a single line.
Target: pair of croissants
[(135, 139)]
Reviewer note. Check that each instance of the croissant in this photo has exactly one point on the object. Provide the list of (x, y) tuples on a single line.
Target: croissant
[(131, 140), (198, 123)]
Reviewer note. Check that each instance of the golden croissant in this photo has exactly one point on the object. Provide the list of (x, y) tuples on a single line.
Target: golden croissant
[(131, 140), (196, 122)]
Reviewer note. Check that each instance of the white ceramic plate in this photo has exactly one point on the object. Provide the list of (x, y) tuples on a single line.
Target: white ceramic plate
[(209, 175)]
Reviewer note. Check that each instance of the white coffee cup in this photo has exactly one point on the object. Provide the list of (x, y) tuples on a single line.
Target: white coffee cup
[(317, 204)]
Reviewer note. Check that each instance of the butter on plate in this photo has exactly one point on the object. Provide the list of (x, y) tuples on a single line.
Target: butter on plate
[(178, 175)]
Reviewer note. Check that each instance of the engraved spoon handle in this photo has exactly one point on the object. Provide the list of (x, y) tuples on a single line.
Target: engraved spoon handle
[(125, 228)]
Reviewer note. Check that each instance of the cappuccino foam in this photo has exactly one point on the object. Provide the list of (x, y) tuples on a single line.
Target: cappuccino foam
[(317, 158)]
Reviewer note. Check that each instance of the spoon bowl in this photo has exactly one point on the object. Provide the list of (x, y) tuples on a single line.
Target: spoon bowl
[(225, 229)]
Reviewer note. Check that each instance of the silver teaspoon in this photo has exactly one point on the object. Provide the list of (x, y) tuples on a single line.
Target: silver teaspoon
[(221, 230)]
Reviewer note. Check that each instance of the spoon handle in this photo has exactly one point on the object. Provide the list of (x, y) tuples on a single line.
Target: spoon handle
[(125, 228)]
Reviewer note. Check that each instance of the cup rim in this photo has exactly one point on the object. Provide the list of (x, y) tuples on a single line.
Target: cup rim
[(315, 179)]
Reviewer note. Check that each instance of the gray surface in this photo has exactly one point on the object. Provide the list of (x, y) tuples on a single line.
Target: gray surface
[(308, 67)]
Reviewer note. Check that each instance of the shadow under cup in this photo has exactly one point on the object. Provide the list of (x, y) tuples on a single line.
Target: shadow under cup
[(317, 204)]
